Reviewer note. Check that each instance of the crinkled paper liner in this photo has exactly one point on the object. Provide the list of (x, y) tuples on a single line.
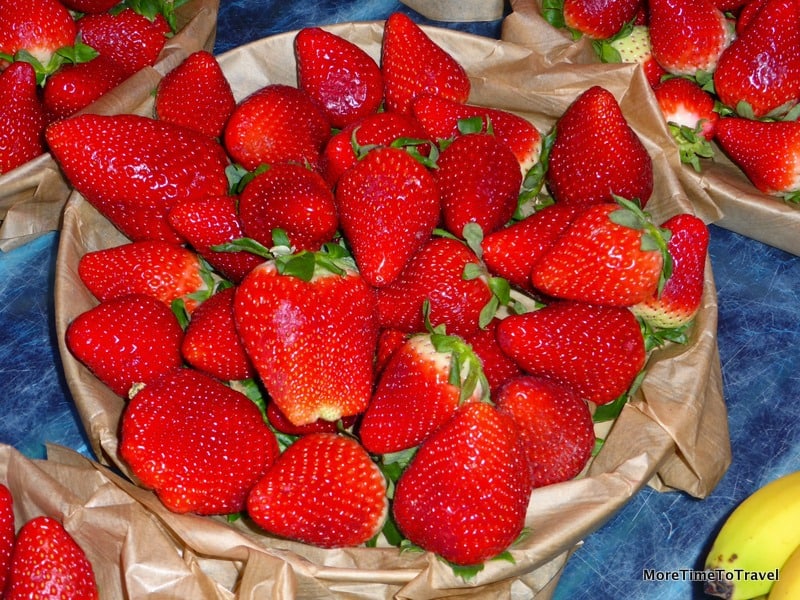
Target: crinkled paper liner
[(672, 436), (739, 206), (32, 196)]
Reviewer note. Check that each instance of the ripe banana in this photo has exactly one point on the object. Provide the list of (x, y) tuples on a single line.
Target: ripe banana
[(755, 541), (788, 586)]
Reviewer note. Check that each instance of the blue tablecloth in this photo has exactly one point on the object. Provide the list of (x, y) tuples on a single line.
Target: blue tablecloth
[(758, 292)]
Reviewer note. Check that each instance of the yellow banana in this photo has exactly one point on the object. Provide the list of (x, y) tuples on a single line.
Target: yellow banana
[(788, 585), (755, 541)]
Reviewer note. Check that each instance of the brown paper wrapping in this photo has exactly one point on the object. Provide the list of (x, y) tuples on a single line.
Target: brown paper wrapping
[(739, 206), (32, 196), (673, 434)]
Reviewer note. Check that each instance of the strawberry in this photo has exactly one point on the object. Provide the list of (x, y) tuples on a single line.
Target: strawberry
[(497, 366), (292, 198), (90, 6), (388, 206), (512, 251), (277, 123), (167, 272), (48, 563), (127, 340), (196, 94), (611, 254), (134, 169), (436, 274), (746, 14), (424, 382), (465, 492), (596, 350), (443, 119), (389, 341), (599, 20), (596, 154), (209, 222), (75, 86), (200, 445), (761, 68), (22, 117), (8, 532), (37, 27), (323, 490), (280, 423), (308, 322), (412, 64), (688, 36), (680, 299), (555, 424), (632, 46), (211, 343), (766, 151), (338, 75), (479, 181)]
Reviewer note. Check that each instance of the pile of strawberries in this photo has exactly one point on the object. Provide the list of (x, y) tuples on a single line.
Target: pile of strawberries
[(347, 309), (59, 56), (721, 70)]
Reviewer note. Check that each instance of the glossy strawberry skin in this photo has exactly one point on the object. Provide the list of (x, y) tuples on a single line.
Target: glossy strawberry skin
[(465, 493), (39, 26), (90, 6), (22, 117), (74, 87), (48, 563), (323, 490), (200, 445), (596, 350), (8, 532), (339, 75), (684, 102), (497, 365), (126, 340), (599, 20)]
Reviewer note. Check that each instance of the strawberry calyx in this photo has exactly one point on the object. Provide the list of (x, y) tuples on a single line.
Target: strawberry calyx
[(529, 201), (692, 145), (66, 55)]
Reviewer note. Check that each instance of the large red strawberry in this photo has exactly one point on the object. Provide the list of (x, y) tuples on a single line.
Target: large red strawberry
[(412, 64), (22, 117), (611, 254), (388, 205), (761, 68), (597, 350), (134, 169), (596, 154), (308, 323), (196, 94), (200, 445), (555, 424), (48, 563), (38, 27), (323, 490), (75, 86), (424, 382), (465, 492), (339, 75), (8, 532), (277, 123), (599, 20), (127, 340)]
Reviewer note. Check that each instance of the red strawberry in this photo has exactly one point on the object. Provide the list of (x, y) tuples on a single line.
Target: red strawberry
[(389, 341), (22, 117), (688, 36), (555, 424), (280, 423), (75, 86), (426, 379), (167, 272), (767, 152), (134, 169), (39, 27), (388, 206), (210, 222), (680, 299), (200, 445), (211, 343), (48, 563), (497, 366), (308, 323), (762, 67), (746, 14), (599, 20), (90, 6), (339, 75), (610, 254), (127, 340), (436, 274), (324, 490), (412, 64), (596, 154), (479, 181), (596, 350), (465, 492), (8, 532), (275, 124), (292, 198), (196, 94), (633, 46)]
